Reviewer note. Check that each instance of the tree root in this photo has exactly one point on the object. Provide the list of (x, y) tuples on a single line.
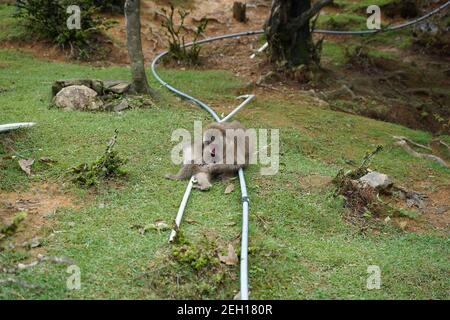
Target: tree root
[(20, 283), (403, 142)]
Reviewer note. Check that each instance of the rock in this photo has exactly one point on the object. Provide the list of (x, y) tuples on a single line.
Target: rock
[(78, 97), (108, 84), (269, 76), (122, 106), (376, 180), (97, 86), (442, 210), (120, 88), (60, 84), (33, 243)]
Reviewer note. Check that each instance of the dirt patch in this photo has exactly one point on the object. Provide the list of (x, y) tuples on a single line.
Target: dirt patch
[(39, 202), (315, 182), (435, 216)]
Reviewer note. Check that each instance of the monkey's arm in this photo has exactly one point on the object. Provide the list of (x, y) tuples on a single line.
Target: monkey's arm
[(185, 172), (203, 181)]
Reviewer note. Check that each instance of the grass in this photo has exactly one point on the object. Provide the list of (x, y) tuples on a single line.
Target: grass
[(9, 29), (342, 21), (302, 250)]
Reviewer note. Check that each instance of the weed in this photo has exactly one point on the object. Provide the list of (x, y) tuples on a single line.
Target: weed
[(107, 166), (176, 37), (9, 230)]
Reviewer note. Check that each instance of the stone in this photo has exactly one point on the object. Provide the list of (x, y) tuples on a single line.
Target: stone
[(60, 84), (97, 86), (111, 83), (269, 76), (120, 88), (442, 210), (376, 180), (78, 97), (122, 106)]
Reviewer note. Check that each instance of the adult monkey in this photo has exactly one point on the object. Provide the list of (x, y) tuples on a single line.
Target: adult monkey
[(217, 161)]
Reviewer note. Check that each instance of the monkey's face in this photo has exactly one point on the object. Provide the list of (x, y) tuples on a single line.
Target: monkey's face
[(213, 146)]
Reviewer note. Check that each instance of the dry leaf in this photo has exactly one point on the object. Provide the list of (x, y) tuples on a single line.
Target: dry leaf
[(403, 224), (25, 165), (231, 259), (229, 189)]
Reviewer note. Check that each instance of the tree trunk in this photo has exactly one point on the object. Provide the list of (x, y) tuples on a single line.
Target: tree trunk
[(133, 21), (288, 31), (240, 11)]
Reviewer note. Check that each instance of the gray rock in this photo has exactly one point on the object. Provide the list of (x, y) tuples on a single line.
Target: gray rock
[(122, 106), (111, 83), (376, 180), (97, 86), (442, 210), (269, 76), (60, 84), (120, 88), (78, 97)]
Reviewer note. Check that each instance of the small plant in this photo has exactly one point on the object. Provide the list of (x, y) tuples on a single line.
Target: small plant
[(176, 36), (9, 230), (48, 19), (109, 165), (358, 57), (198, 257), (361, 200)]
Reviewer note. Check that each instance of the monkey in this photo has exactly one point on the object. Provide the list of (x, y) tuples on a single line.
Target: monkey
[(216, 162)]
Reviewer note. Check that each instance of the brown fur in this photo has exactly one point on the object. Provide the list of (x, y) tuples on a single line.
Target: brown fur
[(204, 173)]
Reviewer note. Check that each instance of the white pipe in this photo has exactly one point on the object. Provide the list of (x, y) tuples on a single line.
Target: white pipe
[(13, 126), (244, 240), (264, 47), (247, 97), (181, 209)]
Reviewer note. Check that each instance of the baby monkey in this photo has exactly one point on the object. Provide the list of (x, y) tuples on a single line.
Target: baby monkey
[(224, 151)]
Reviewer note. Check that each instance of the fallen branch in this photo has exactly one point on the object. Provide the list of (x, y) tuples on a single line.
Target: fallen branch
[(404, 144), (42, 258), (20, 283), (445, 145), (412, 142)]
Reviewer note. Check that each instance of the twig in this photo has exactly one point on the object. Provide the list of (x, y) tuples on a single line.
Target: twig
[(20, 283), (403, 143), (412, 142)]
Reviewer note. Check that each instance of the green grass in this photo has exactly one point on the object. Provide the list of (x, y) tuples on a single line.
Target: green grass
[(361, 5), (303, 251), (9, 29), (342, 21)]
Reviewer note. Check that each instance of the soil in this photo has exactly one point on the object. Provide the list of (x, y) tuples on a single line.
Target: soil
[(40, 202)]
